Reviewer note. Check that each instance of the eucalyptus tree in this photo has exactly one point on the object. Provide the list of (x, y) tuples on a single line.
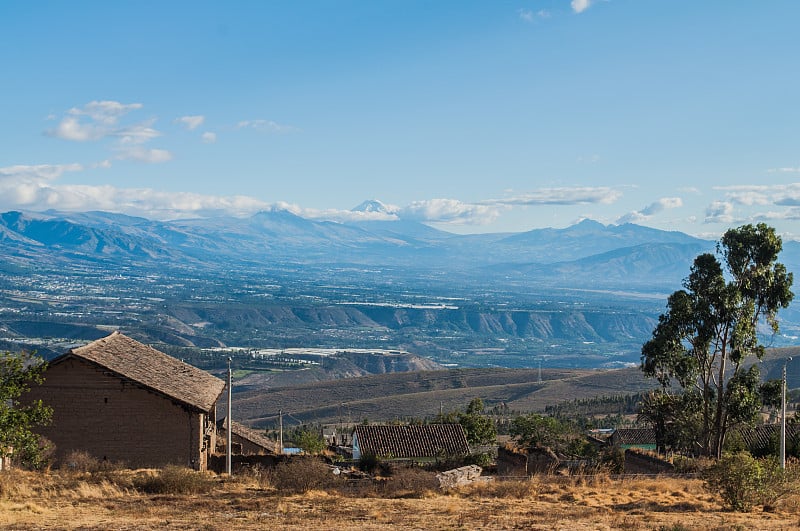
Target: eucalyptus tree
[(709, 333), (18, 417)]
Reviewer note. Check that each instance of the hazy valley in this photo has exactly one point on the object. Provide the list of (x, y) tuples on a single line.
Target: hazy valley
[(586, 296)]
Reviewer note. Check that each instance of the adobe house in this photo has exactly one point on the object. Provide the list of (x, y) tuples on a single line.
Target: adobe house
[(244, 441), (123, 401), (410, 442)]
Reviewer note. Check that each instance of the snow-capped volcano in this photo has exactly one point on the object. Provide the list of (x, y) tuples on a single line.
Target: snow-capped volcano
[(375, 206)]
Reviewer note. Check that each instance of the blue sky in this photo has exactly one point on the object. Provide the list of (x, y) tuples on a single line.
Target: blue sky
[(488, 116)]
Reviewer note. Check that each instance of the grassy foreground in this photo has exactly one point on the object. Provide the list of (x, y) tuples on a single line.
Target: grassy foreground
[(132, 500)]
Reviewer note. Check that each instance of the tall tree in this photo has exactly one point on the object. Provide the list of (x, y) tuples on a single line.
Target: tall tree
[(478, 428), (18, 418), (710, 328)]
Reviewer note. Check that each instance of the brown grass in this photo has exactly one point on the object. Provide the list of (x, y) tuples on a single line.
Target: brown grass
[(82, 501)]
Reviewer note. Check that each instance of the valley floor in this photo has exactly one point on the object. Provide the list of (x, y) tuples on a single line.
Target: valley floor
[(662, 504)]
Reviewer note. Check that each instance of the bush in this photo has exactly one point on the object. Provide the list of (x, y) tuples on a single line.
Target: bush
[(83, 461), (368, 463), (175, 480), (410, 482), (743, 481), (302, 475)]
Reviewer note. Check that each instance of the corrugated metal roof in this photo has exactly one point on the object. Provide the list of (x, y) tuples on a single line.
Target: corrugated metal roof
[(151, 369), (429, 440)]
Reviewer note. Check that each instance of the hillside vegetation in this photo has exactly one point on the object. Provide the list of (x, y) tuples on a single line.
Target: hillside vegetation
[(422, 394)]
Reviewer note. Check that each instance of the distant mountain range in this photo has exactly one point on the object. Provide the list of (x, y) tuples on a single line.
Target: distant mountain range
[(587, 252), (277, 279)]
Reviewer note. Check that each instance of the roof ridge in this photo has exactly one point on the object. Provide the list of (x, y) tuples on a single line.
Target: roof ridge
[(153, 369)]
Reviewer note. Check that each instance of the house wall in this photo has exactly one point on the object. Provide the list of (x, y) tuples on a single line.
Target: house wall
[(240, 445), (115, 420)]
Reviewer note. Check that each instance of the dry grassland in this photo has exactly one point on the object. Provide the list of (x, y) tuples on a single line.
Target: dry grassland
[(86, 501)]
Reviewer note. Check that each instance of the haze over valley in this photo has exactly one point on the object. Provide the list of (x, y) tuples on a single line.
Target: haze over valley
[(587, 296)]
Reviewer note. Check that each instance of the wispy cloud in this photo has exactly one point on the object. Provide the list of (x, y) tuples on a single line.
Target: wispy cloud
[(579, 6), (267, 126), (528, 15), (36, 173), (93, 121), (99, 120), (651, 210), (579, 195), (140, 154), (208, 137), (784, 170), (191, 122)]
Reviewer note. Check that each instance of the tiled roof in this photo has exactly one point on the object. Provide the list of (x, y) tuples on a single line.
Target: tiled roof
[(151, 369), (429, 440), (633, 436), (248, 434), (763, 436)]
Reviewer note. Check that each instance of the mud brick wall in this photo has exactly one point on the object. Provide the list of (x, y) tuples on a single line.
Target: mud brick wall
[(115, 420)]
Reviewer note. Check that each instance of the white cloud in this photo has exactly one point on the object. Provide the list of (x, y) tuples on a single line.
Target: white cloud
[(579, 195), (95, 120), (137, 134), (191, 122), (529, 16), (719, 212), (266, 126), (208, 137), (763, 194), (450, 211), (579, 6), (144, 202), (71, 129), (36, 173), (98, 120), (106, 112), (651, 210), (784, 170), (138, 153)]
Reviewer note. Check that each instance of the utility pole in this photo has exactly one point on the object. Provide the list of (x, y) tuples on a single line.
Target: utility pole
[(280, 431), (229, 443), (783, 414)]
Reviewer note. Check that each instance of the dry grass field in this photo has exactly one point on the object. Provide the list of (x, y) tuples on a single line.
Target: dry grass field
[(115, 500)]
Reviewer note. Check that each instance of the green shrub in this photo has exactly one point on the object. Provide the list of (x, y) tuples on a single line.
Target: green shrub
[(175, 480), (482, 459), (368, 463), (743, 481)]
